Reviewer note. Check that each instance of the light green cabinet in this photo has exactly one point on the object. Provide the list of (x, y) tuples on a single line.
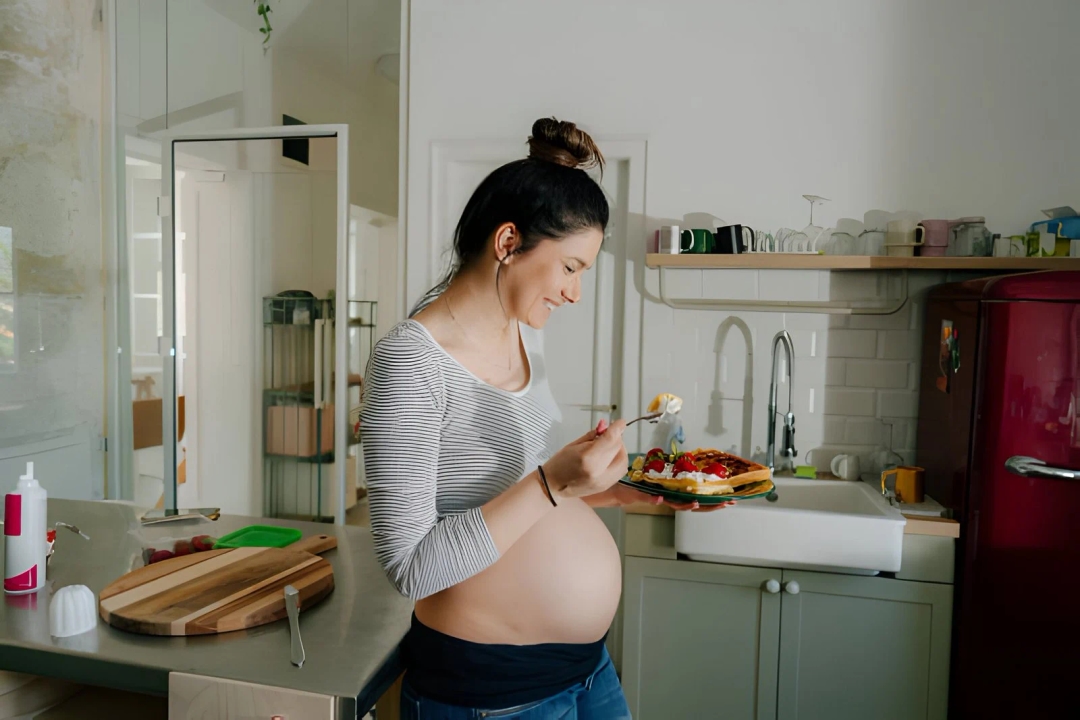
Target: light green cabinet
[(863, 647), (699, 640), (703, 640)]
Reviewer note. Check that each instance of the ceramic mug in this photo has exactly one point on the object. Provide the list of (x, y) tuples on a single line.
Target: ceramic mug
[(909, 483), (936, 237), (697, 241), (734, 239), (845, 467), (670, 240), (903, 236)]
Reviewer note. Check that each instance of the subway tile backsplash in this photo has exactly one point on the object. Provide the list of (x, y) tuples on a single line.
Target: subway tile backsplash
[(856, 377)]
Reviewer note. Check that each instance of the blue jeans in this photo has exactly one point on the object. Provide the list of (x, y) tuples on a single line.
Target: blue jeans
[(598, 697)]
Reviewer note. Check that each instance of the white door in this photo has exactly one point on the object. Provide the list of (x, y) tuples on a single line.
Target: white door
[(584, 343), (592, 349)]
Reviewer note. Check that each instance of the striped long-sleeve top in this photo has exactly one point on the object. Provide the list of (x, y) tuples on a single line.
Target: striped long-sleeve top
[(439, 443)]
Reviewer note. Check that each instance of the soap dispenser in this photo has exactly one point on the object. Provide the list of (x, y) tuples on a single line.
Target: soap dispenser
[(25, 540)]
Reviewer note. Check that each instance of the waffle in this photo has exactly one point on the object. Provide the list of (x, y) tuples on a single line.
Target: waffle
[(741, 472)]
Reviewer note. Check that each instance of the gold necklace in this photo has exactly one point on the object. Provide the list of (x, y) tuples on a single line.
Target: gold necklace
[(509, 353)]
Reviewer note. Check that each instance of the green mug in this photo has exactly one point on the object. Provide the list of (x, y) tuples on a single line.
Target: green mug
[(697, 241)]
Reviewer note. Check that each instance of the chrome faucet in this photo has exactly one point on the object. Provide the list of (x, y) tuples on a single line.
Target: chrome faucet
[(787, 451)]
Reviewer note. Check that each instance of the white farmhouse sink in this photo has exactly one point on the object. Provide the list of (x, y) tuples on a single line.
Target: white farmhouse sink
[(814, 525)]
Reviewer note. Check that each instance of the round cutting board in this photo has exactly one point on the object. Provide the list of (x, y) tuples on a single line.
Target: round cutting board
[(219, 590)]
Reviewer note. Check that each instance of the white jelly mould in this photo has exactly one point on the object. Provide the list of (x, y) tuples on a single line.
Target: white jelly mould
[(73, 610)]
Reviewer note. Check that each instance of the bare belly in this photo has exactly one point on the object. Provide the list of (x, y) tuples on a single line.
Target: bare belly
[(559, 583)]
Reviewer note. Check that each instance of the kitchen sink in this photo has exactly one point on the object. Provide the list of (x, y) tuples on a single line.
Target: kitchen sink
[(829, 525)]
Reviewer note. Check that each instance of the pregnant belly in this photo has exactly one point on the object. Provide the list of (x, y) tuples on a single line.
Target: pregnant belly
[(559, 583)]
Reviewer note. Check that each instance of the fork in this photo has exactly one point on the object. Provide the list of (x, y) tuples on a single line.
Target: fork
[(650, 417)]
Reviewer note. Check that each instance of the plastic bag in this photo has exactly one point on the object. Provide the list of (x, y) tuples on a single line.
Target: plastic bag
[(157, 546)]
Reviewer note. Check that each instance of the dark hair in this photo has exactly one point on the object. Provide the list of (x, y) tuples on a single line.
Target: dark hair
[(547, 196)]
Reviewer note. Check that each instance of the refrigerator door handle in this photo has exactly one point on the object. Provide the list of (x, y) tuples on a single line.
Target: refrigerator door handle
[(1033, 467)]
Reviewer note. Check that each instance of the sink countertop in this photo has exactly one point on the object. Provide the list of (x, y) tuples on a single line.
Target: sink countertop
[(916, 525), (351, 636)]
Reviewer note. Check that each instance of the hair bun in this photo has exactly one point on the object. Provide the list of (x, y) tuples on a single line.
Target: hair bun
[(562, 143)]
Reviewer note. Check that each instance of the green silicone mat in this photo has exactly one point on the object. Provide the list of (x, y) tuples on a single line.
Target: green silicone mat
[(259, 536)]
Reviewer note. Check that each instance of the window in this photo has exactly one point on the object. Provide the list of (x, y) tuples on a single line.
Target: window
[(7, 302)]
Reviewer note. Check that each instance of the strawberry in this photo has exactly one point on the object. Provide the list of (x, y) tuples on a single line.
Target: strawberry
[(687, 456), (202, 543), (655, 466), (183, 547), (654, 451), (684, 465), (716, 469), (160, 555)]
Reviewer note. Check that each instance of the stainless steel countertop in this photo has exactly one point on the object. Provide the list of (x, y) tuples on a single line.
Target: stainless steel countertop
[(351, 637)]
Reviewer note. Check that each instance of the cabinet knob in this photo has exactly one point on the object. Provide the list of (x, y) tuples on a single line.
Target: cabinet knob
[(772, 586), (791, 587)]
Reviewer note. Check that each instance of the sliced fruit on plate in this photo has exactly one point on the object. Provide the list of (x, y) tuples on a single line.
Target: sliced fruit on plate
[(655, 466), (684, 465), (716, 469)]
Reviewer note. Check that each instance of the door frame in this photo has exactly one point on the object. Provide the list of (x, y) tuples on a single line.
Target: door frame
[(423, 247), (168, 342)]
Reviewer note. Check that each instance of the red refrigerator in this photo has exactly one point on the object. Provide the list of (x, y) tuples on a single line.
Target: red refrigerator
[(1016, 491)]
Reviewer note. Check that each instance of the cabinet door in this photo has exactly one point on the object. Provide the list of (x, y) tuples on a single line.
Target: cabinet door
[(863, 647), (699, 640), (195, 697)]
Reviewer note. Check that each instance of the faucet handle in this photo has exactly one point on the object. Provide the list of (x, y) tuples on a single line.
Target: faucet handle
[(789, 436)]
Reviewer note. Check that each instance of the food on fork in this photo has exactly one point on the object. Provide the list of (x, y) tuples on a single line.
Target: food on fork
[(666, 403), (702, 472)]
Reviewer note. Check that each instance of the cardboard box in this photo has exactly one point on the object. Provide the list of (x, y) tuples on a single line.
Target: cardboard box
[(329, 487), (294, 430), (146, 422)]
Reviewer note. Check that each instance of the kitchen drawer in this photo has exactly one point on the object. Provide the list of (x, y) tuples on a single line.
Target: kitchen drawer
[(194, 697)]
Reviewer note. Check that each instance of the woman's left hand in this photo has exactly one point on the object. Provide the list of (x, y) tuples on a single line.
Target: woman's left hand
[(625, 495)]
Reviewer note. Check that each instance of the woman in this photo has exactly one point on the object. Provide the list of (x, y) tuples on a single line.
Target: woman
[(516, 578)]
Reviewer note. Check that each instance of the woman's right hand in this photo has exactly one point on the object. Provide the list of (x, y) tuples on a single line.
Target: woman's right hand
[(589, 465)]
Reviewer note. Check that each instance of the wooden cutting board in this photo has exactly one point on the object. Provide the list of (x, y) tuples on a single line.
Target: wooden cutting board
[(219, 590)]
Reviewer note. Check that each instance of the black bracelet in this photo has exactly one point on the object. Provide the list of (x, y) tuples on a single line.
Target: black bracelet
[(547, 488)]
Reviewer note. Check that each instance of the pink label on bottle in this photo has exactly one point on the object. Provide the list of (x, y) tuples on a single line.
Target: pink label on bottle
[(22, 581), (13, 515)]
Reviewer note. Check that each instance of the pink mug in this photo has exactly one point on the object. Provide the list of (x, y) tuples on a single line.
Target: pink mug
[(935, 237)]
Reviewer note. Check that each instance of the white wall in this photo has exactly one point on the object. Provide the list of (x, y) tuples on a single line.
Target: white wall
[(303, 91), (948, 108)]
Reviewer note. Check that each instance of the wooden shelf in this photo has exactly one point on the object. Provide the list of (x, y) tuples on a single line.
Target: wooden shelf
[(789, 261)]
